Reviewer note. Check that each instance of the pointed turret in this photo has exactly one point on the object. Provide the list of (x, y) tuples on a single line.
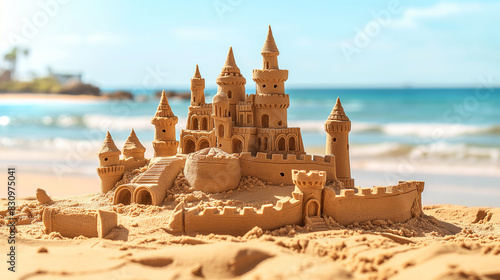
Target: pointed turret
[(337, 127), (197, 74), (164, 143), (108, 147), (230, 65), (338, 112), (133, 147), (269, 45), (110, 170), (197, 88), (164, 110)]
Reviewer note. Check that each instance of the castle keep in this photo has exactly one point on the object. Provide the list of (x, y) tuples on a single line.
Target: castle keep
[(247, 135)]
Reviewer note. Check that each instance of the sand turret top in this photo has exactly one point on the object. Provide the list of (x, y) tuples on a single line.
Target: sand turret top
[(220, 97), (270, 46), (133, 143), (164, 110), (230, 65), (338, 112), (197, 74), (108, 146)]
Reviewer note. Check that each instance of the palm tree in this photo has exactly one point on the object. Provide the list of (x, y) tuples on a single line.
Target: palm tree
[(12, 56)]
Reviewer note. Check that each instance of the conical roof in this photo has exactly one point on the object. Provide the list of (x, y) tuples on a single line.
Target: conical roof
[(230, 65), (164, 110), (197, 74), (133, 143), (108, 146), (338, 112), (270, 46)]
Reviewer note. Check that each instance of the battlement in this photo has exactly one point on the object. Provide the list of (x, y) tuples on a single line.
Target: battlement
[(380, 191), (311, 179), (110, 170), (287, 158), (272, 100), (337, 126), (164, 121), (165, 144), (278, 75), (230, 220), (202, 109)]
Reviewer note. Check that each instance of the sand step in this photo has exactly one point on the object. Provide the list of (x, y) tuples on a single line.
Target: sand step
[(318, 223), (153, 174)]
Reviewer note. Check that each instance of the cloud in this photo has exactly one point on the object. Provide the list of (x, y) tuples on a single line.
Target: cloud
[(412, 17)]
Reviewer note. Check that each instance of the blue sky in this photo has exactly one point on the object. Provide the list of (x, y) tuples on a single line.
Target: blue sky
[(323, 44)]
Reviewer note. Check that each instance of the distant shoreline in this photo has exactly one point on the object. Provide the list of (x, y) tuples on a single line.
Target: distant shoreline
[(51, 96)]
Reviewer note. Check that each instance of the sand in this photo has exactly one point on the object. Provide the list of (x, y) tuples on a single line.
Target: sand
[(449, 242)]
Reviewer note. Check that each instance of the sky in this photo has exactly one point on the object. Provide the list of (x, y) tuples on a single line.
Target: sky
[(156, 44)]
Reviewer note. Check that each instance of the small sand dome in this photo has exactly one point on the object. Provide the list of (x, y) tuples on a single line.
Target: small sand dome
[(212, 170)]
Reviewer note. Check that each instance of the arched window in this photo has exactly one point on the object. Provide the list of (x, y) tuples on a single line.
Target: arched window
[(264, 144), (281, 144), (229, 93), (265, 120), (195, 123), (237, 145), (221, 130), (291, 144), (204, 124), (203, 144), (189, 146)]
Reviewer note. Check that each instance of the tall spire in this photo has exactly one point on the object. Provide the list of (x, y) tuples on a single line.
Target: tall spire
[(270, 46), (197, 74), (338, 112), (164, 110), (108, 146), (230, 65), (133, 143)]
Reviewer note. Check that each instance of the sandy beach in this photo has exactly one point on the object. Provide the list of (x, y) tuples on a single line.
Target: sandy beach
[(448, 242)]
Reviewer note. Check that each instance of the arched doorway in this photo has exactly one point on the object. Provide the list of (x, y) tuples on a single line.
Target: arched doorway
[(312, 208), (237, 145), (264, 144), (189, 146), (203, 144), (265, 120)]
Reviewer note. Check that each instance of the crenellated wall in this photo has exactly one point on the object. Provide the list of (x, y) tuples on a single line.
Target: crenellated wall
[(396, 203), (277, 169), (229, 220)]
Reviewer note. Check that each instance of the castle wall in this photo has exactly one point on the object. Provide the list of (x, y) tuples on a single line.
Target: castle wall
[(229, 220), (277, 169), (396, 203)]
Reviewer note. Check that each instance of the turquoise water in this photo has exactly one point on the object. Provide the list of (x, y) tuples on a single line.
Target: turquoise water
[(385, 122)]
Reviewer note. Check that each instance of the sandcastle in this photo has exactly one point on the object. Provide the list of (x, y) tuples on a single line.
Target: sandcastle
[(240, 135)]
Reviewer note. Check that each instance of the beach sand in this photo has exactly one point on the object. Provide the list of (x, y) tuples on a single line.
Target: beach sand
[(448, 242)]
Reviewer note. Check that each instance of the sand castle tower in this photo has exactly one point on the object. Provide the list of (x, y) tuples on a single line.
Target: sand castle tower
[(311, 185), (197, 89), (222, 121), (164, 143), (337, 127), (110, 170), (271, 102), (232, 83), (133, 147)]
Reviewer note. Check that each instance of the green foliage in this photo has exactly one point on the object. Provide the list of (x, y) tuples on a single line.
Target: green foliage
[(39, 85)]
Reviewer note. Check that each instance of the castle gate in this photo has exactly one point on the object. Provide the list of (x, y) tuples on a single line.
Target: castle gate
[(312, 208)]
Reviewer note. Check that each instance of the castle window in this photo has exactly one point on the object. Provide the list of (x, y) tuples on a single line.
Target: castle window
[(282, 174), (267, 64), (164, 131), (221, 130), (229, 94), (249, 118), (194, 99), (280, 123), (334, 139), (195, 123), (204, 124), (291, 144), (265, 120), (264, 86), (281, 144), (105, 159), (275, 86)]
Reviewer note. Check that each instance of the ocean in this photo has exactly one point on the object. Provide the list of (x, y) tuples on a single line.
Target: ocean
[(436, 132)]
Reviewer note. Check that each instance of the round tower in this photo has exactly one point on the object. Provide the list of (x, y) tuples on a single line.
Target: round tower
[(197, 89), (110, 170), (271, 102), (337, 127), (232, 83), (133, 147), (164, 143), (311, 185), (222, 121)]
